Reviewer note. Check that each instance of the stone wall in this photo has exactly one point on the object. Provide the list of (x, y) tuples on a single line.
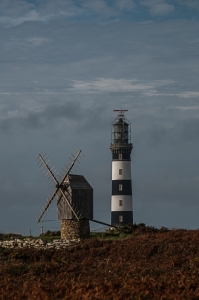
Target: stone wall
[(73, 229), (38, 243)]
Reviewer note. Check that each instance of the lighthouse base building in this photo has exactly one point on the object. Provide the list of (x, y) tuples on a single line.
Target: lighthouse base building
[(121, 147)]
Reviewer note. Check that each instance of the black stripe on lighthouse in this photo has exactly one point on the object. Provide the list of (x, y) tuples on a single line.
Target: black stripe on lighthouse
[(124, 217), (121, 187), (125, 156)]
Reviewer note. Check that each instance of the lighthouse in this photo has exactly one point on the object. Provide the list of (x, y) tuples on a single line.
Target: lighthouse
[(121, 147)]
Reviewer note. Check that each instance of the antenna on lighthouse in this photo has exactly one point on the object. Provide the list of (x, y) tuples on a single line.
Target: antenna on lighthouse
[(120, 110), (121, 147)]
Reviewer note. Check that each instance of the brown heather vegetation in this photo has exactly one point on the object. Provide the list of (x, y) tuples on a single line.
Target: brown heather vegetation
[(148, 264)]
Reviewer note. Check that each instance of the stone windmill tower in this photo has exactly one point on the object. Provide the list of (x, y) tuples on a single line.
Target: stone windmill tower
[(74, 199), (121, 147)]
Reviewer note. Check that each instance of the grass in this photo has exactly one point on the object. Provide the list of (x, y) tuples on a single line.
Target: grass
[(110, 236), (134, 262)]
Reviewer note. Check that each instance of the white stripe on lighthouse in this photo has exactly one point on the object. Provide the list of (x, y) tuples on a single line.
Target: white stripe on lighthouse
[(121, 203), (121, 170)]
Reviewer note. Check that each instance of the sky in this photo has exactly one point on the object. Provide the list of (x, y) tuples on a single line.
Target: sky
[(64, 67)]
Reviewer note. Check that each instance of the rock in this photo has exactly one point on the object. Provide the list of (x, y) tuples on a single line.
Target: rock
[(41, 242), (32, 241), (38, 243)]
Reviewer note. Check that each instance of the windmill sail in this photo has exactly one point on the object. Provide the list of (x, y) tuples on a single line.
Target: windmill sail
[(61, 190)]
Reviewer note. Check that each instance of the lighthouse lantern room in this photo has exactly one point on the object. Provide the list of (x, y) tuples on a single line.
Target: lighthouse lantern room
[(121, 147)]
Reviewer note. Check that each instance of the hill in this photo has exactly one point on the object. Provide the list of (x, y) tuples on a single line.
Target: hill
[(148, 264)]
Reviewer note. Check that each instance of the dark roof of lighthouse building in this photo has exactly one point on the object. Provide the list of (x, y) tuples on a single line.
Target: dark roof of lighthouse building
[(78, 182)]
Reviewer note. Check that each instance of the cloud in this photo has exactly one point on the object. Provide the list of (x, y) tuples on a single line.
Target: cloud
[(181, 132), (158, 7), (40, 118), (68, 7), (118, 85), (15, 12), (189, 95), (33, 15), (189, 3), (103, 8), (186, 107), (38, 41), (125, 4), (15, 8), (72, 115), (99, 7)]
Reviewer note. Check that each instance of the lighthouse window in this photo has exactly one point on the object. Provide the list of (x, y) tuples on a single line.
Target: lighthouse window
[(120, 156), (120, 202), (120, 218), (120, 187), (120, 171)]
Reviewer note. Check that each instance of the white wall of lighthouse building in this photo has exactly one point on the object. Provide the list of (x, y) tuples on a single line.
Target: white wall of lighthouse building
[(127, 203), (123, 165)]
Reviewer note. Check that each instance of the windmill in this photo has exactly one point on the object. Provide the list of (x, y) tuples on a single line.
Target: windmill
[(74, 198)]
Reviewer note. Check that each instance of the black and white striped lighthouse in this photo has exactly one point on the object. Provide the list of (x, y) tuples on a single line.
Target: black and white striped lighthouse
[(121, 147)]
